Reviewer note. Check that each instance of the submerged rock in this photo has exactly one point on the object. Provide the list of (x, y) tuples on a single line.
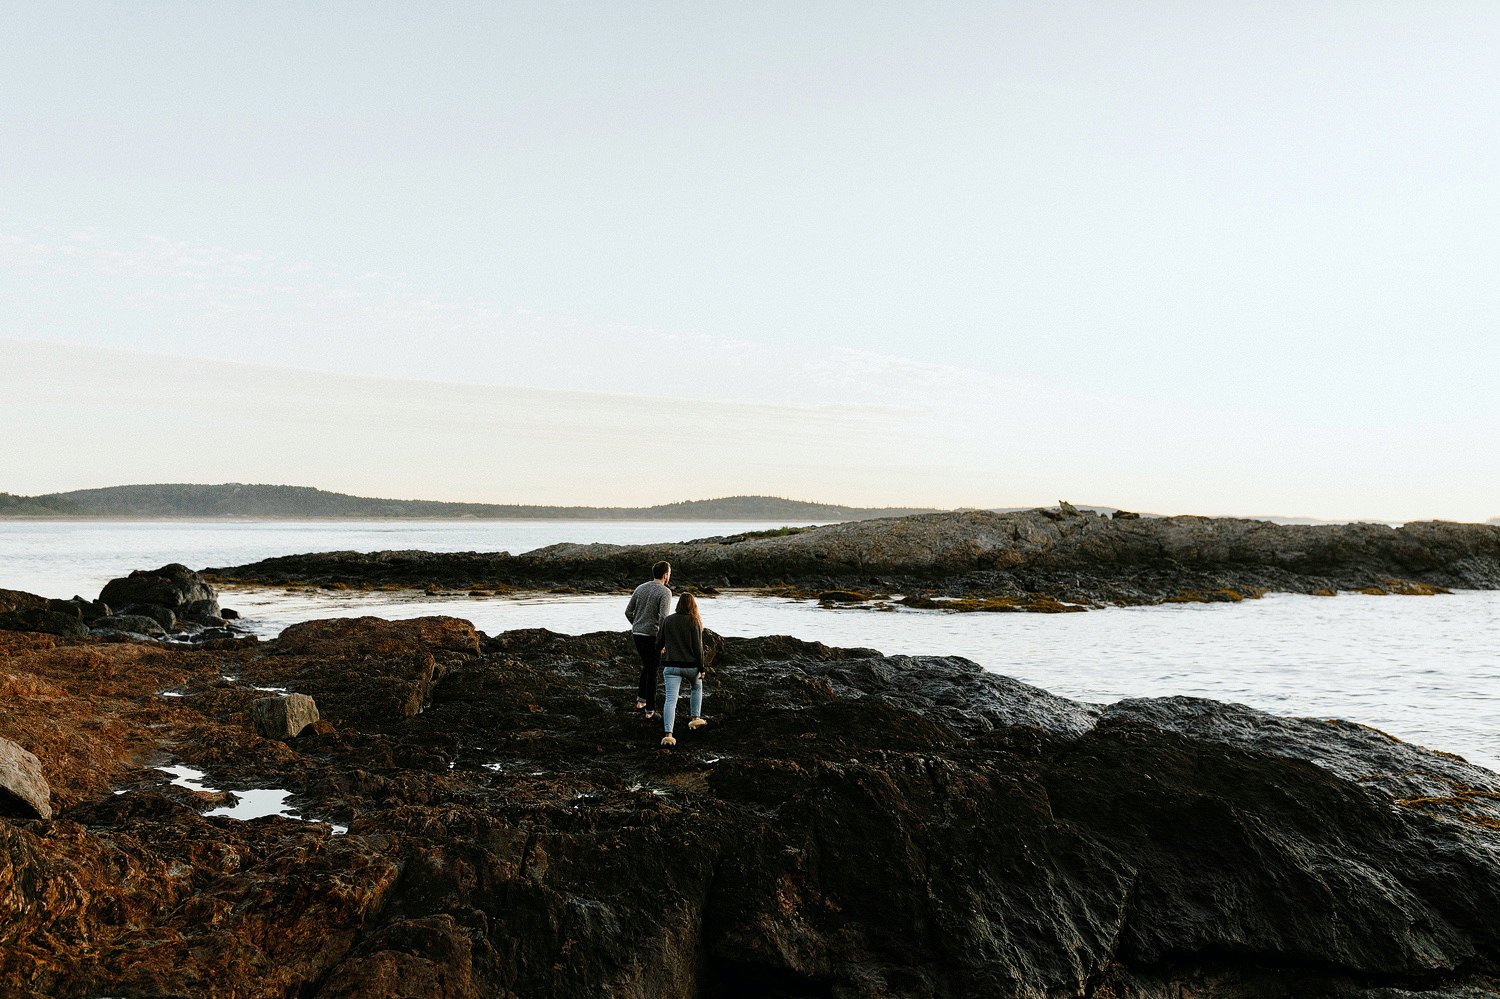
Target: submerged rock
[(23, 790), (849, 824)]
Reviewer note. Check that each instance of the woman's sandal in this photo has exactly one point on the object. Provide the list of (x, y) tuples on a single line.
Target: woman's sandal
[(668, 740)]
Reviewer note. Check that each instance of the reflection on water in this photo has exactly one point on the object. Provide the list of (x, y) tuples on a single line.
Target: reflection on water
[(1424, 668)]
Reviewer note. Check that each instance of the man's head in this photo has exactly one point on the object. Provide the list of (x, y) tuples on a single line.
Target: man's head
[(662, 571)]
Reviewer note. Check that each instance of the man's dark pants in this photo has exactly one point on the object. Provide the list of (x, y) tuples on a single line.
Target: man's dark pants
[(650, 649)]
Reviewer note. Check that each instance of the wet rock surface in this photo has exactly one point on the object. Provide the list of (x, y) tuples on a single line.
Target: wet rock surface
[(849, 824), (1038, 560)]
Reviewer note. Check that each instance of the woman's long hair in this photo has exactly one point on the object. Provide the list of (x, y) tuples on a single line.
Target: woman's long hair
[(686, 604)]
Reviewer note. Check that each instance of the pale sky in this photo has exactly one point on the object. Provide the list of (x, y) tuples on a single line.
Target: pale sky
[(1186, 257)]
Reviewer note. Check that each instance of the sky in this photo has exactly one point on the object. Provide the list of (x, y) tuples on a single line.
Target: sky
[(1180, 257)]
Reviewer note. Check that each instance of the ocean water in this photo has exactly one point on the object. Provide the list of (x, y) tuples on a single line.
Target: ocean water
[(58, 558), (1426, 669)]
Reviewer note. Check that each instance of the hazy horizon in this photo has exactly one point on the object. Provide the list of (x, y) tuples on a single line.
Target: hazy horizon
[(1222, 258)]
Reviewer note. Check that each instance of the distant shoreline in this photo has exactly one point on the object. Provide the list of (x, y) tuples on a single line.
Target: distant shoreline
[(240, 518), (241, 501)]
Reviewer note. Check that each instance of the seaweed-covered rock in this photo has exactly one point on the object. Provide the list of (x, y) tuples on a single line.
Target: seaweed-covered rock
[(849, 825), (1048, 560)]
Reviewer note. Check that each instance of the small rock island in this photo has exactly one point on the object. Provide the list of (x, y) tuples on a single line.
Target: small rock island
[(1047, 560)]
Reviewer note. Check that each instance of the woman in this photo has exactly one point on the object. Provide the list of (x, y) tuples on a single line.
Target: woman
[(682, 662)]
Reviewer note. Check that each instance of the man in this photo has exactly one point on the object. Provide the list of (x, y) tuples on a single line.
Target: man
[(648, 607)]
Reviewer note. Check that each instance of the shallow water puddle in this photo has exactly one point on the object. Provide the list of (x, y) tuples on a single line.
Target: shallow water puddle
[(256, 803), (188, 777), (252, 804)]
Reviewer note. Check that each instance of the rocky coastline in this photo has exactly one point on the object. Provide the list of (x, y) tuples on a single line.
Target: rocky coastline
[(1047, 560), (478, 815), (173, 603)]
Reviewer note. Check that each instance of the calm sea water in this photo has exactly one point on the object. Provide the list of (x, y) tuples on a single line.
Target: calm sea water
[(1426, 669), (61, 558)]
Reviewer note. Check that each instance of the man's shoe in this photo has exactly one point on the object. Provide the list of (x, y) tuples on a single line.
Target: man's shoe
[(698, 723), (668, 740)]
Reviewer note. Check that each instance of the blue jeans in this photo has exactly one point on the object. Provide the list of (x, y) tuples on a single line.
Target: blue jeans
[(673, 677)]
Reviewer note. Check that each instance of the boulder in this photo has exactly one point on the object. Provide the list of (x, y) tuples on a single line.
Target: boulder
[(23, 790), (165, 617), (11, 600), (174, 586), (283, 716), (89, 610), (47, 621), (135, 624)]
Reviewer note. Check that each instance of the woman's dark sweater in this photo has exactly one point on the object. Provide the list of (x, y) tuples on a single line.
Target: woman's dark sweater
[(683, 640)]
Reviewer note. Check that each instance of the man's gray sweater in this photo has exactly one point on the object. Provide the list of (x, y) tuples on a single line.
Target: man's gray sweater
[(648, 607)]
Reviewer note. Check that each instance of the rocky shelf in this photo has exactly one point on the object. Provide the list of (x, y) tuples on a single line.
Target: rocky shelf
[(850, 824), (1038, 560)]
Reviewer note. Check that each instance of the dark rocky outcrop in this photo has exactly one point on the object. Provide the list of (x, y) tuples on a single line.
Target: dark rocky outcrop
[(849, 825), (165, 617), (1041, 560), (89, 610), (171, 602), (21, 611), (42, 620), (174, 587)]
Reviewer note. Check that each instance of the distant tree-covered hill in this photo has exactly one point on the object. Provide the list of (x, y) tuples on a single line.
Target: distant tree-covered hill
[(34, 506), (241, 500)]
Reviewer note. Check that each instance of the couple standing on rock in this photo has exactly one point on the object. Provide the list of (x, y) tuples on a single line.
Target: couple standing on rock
[(672, 643)]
